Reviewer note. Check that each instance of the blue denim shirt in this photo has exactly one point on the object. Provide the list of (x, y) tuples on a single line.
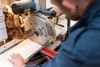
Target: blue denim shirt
[(82, 48)]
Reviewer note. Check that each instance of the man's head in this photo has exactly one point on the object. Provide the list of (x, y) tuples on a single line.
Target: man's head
[(74, 9)]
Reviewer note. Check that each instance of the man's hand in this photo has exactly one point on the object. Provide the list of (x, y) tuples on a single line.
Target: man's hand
[(17, 60)]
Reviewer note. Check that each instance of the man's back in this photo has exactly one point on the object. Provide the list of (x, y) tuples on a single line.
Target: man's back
[(82, 49)]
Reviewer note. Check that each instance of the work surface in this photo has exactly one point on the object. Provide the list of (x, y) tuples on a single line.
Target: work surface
[(26, 48)]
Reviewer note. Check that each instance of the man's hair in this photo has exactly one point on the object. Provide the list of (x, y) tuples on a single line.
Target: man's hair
[(81, 1), (80, 5), (73, 1)]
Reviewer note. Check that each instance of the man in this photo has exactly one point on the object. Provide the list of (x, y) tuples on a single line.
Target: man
[(82, 48)]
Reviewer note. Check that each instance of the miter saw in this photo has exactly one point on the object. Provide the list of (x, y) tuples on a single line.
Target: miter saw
[(28, 21)]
